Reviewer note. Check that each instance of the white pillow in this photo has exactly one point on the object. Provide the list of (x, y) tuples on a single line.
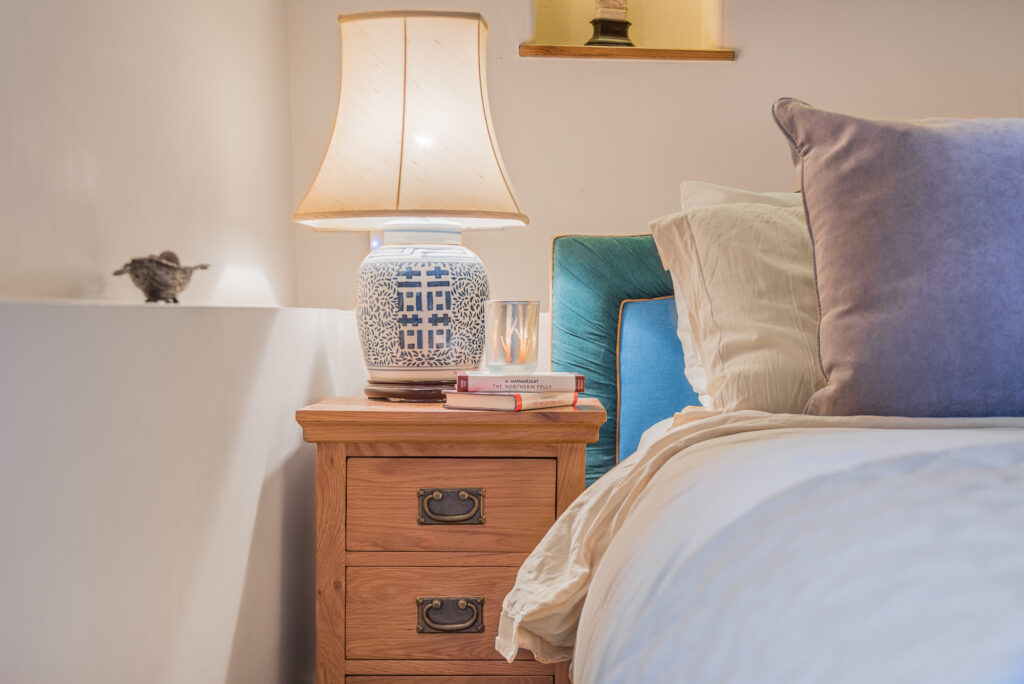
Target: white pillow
[(744, 279), (696, 194)]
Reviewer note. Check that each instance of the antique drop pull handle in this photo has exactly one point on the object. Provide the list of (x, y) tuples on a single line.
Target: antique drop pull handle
[(449, 500), (447, 609)]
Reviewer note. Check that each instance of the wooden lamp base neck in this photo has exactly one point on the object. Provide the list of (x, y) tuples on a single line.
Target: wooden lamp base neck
[(417, 392)]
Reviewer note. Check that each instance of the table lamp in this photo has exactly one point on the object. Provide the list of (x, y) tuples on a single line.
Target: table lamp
[(413, 154)]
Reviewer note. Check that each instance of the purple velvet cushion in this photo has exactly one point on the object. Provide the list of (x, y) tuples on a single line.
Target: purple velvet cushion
[(918, 235)]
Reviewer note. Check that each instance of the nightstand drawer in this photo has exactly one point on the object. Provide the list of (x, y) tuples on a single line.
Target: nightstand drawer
[(384, 619), (449, 504)]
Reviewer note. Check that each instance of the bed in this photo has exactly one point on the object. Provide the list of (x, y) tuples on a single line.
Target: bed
[(740, 545)]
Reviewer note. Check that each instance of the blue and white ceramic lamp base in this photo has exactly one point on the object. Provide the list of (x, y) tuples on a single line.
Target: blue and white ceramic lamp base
[(420, 314)]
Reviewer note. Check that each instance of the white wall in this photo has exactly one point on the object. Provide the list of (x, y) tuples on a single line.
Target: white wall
[(600, 146), (156, 498), (133, 126)]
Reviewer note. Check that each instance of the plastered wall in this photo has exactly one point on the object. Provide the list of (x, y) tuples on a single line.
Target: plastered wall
[(133, 126), (156, 497), (600, 146)]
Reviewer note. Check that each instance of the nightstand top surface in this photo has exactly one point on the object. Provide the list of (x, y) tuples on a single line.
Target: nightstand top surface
[(362, 410)]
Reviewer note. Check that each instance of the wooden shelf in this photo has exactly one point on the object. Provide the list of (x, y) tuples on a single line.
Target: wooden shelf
[(598, 52)]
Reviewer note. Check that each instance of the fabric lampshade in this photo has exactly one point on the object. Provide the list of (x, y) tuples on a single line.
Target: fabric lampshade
[(413, 136)]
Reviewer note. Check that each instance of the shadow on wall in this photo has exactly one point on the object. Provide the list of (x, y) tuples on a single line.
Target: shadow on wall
[(156, 498), (281, 553), (281, 556)]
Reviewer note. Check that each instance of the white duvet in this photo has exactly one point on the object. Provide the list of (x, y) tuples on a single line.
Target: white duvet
[(751, 547)]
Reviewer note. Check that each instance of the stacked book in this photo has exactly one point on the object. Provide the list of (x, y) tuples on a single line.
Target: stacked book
[(494, 392)]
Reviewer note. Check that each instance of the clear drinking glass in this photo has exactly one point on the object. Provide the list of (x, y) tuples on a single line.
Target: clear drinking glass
[(511, 338)]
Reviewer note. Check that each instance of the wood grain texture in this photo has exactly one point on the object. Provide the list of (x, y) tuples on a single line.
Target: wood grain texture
[(381, 613), (572, 460), (450, 450), (572, 464), (383, 507), (433, 558), (377, 636), (442, 679), (349, 419), (448, 667), (330, 563), (615, 52), (363, 410), (466, 434)]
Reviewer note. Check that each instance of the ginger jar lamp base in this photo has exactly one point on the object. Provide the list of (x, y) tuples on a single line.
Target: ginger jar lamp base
[(420, 310)]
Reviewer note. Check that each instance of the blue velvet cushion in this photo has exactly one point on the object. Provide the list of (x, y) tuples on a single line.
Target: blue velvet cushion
[(590, 277), (651, 381)]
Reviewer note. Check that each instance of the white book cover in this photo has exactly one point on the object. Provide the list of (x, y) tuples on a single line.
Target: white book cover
[(526, 382)]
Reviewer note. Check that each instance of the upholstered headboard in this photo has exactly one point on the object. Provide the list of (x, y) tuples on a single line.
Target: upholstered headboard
[(613, 319)]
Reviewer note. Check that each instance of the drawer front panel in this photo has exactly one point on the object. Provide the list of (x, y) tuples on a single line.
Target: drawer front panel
[(445, 679), (383, 615), (449, 504)]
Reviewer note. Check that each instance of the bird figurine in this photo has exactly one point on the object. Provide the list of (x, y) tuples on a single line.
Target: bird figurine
[(161, 277)]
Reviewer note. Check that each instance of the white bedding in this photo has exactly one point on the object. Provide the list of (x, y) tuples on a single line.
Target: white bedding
[(750, 547)]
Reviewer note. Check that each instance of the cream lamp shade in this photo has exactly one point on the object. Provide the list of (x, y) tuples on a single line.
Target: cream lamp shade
[(413, 136)]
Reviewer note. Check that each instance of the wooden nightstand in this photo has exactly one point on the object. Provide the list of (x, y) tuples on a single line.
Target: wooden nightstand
[(423, 517)]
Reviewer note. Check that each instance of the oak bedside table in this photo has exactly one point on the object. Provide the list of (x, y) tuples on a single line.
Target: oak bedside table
[(423, 517)]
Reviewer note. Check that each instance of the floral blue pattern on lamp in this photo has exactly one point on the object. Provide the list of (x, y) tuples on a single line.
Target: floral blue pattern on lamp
[(421, 307), (421, 174)]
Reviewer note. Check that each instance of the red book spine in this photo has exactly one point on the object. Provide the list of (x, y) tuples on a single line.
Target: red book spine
[(533, 402), (461, 383)]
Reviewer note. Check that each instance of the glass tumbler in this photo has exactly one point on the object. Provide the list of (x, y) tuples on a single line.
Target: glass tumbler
[(511, 336)]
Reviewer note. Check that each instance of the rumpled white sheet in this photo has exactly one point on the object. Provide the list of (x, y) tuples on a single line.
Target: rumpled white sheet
[(543, 610)]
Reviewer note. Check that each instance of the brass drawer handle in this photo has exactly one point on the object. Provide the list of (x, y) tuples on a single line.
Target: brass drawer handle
[(448, 502), (445, 611)]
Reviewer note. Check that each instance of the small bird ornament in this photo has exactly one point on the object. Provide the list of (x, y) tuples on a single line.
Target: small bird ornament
[(161, 277)]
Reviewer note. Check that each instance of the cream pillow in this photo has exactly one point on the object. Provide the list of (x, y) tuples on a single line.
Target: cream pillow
[(744, 278), (694, 195)]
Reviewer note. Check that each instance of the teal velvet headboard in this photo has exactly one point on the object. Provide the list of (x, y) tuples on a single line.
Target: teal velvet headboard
[(591, 277)]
